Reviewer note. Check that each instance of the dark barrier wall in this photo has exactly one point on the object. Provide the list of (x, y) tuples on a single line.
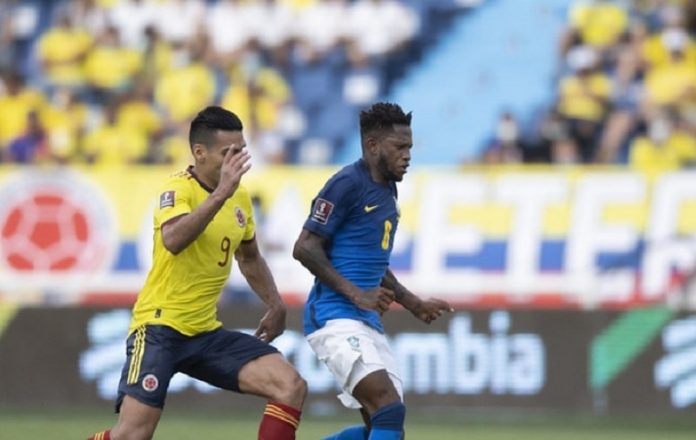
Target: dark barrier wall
[(573, 360)]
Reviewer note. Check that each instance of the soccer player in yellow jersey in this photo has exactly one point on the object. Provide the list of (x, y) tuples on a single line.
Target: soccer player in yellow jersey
[(203, 220)]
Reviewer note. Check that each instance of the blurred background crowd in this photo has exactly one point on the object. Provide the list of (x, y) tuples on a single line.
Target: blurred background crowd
[(117, 81)]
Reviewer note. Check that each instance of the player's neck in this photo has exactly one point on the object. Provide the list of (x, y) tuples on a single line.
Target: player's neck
[(205, 181), (375, 174)]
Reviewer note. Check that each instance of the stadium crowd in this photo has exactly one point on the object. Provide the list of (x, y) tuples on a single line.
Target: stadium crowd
[(117, 81), (625, 92)]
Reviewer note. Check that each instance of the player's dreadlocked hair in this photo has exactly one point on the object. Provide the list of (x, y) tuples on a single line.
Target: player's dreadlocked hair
[(381, 117), (208, 121)]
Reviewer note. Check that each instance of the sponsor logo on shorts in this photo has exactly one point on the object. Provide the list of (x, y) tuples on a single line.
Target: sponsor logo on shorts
[(322, 211), (150, 383), (354, 343)]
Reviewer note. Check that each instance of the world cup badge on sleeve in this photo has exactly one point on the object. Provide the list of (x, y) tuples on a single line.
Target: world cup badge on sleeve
[(322, 211), (167, 199)]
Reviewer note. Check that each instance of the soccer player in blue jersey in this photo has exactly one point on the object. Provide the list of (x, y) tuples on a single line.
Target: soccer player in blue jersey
[(203, 222), (346, 243)]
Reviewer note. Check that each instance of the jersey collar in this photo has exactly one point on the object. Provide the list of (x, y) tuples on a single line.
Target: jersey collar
[(200, 182)]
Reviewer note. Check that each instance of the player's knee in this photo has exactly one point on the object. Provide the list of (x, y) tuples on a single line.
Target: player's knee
[(380, 397), (292, 390)]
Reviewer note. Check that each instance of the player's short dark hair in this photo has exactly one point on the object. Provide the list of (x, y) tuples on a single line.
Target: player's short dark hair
[(382, 117), (209, 121)]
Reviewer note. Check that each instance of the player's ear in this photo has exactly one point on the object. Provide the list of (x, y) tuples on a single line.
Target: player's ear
[(199, 151), (371, 145)]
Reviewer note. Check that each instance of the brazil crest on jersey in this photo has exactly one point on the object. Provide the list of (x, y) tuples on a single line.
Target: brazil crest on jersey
[(181, 291), (358, 217)]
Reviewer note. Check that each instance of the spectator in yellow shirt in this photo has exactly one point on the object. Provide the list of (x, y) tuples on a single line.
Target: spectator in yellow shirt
[(673, 82), (257, 96), (663, 148), (656, 49), (583, 99), (188, 87), (110, 67), (112, 144), (62, 50), (15, 106), (138, 112), (64, 120), (596, 23)]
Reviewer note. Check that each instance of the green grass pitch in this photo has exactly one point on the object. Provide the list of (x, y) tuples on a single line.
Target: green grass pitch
[(18, 424)]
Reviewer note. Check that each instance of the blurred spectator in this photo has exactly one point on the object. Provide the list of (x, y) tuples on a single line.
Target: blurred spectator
[(175, 149), (188, 86), (362, 82), (113, 144), (627, 94), (583, 99), (665, 147), (656, 49), (275, 31), (88, 15), (16, 104), (137, 113), (321, 27), (179, 20), (368, 20), (595, 23), (229, 30), (258, 95), (29, 147), (564, 151), (672, 83), (132, 18), (178, 54), (18, 24), (110, 67), (62, 50), (506, 147), (64, 121), (158, 57)]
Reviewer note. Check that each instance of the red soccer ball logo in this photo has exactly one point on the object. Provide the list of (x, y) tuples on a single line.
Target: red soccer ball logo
[(46, 231)]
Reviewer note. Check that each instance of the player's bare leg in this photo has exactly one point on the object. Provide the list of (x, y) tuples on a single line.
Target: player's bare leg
[(272, 377), (382, 403), (136, 421)]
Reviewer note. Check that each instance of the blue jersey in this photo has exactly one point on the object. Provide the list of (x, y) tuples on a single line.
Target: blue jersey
[(358, 217)]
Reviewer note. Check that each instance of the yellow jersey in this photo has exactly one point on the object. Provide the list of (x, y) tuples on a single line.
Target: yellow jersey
[(181, 291)]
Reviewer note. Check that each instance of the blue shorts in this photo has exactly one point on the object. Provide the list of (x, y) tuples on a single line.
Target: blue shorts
[(156, 352)]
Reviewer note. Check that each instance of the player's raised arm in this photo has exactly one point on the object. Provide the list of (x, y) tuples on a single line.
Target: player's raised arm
[(254, 268), (178, 233), (309, 250), (427, 311)]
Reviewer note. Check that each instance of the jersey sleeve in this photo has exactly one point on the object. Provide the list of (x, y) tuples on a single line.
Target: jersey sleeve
[(332, 205), (173, 200)]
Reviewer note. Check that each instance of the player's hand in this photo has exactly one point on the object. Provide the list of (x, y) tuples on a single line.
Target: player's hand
[(234, 165), (431, 309), (377, 298), (272, 324)]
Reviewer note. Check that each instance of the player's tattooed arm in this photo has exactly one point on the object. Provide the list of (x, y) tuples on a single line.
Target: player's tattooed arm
[(310, 251), (427, 311)]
